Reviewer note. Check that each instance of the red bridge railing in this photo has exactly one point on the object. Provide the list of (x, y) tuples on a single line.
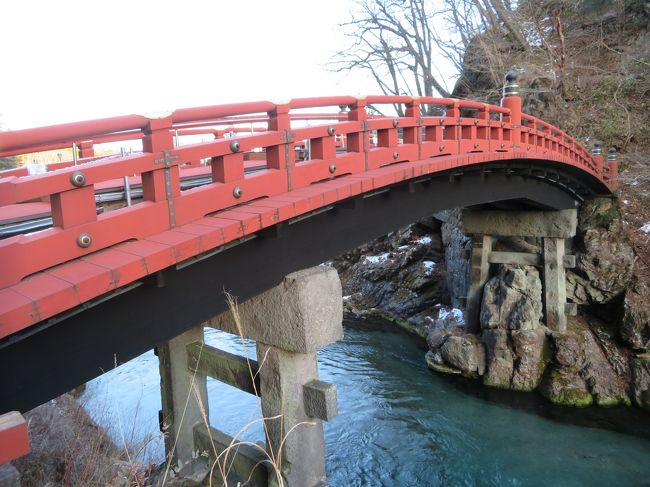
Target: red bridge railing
[(458, 127)]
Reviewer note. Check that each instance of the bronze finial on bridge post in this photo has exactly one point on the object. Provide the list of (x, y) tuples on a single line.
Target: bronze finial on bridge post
[(512, 101), (612, 162), (597, 153)]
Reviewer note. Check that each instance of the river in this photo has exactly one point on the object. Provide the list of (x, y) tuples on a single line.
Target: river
[(401, 425)]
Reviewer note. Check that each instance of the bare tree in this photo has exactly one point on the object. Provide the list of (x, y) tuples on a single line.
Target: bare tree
[(403, 43), (395, 41)]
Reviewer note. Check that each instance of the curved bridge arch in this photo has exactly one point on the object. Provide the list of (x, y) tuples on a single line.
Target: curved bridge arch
[(159, 267)]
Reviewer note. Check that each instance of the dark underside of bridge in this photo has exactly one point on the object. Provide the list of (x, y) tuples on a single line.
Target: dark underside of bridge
[(55, 356)]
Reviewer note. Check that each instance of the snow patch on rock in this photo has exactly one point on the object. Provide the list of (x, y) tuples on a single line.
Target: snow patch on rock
[(454, 313), (376, 259)]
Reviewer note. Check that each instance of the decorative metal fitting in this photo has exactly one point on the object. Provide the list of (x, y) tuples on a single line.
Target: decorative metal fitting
[(510, 87), (475, 145), (78, 179), (441, 148), (237, 192), (597, 148), (234, 146), (441, 121), (611, 156), (331, 131), (84, 240), (502, 146), (395, 155), (395, 122), (503, 124), (476, 122), (332, 168)]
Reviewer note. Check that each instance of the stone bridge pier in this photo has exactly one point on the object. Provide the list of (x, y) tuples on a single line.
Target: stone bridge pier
[(552, 227), (289, 323)]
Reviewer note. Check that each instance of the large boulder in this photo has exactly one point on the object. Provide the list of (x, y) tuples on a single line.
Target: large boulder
[(565, 387), (499, 359), (512, 299), (582, 373), (605, 258), (530, 348), (515, 359), (465, 353)]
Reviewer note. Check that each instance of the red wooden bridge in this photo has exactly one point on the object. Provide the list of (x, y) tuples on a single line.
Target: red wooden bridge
[(280, 187)]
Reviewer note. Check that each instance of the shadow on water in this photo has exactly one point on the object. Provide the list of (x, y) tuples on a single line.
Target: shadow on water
[(627, 420)]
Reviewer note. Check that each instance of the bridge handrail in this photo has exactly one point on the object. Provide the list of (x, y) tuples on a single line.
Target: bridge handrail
[(78, 229)]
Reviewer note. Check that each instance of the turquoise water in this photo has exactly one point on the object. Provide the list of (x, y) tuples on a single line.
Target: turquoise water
[(400, 425)]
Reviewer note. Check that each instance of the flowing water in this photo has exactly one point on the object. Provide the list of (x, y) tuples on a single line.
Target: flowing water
[(401, 425)]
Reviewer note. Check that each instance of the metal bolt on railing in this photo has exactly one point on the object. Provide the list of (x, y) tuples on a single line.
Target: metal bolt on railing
[(84, 240), (77, 179), (611, 156)]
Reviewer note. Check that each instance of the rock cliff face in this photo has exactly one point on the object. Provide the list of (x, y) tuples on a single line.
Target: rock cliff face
[(417, 276), (399, 278)]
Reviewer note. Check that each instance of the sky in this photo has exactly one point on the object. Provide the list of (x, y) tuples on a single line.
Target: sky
[(70, 60)]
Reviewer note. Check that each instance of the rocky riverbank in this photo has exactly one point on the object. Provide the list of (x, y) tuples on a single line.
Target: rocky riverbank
[(416, 278)]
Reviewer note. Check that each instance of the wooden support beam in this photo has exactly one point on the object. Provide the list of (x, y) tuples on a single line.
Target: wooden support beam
[(231, 369), (558, 224), (478, 275), (554, 284), (526, 258), (517, 258), (245, 461)]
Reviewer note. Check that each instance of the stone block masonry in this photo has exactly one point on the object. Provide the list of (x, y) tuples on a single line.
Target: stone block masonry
[(290, 323)]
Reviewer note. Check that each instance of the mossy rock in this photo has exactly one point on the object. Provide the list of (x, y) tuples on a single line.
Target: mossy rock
[(504, 384), (572, 397), (611, 401), (443, 369)]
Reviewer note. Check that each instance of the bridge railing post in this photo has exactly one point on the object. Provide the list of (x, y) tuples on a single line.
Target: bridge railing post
[(358, 141), (451, 133), (86, 149), (512, 101), (161, 184), (413, 135), (281, 157)]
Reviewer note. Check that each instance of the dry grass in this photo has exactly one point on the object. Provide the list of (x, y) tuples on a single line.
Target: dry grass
[(222, 463), (70, 449)]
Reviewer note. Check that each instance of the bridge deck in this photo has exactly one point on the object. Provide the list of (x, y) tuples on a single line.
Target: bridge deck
[(85, 257)]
